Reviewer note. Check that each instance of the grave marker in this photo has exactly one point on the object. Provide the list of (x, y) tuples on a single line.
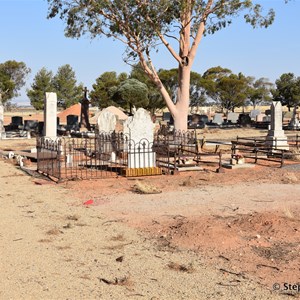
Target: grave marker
[(50, 114), (140, 128), (276, 137)]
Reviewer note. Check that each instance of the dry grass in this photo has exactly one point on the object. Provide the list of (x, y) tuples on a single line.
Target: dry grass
[(294, 154), (289, 178), (181, 268), (144, 188), (288, 213), (45, 241), (54, 231), (123, 281), (63, 247), (73, 217), (119, 237)]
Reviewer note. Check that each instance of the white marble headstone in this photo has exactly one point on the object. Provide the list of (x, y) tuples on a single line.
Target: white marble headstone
[(50, 115), (218, 119), (138, 128), (276, 136), (232, 117), (106, 121)]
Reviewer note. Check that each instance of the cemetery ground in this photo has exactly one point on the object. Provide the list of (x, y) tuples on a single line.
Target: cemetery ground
[(196, 235)]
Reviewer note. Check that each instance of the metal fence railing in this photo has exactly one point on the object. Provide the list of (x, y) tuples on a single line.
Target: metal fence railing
[(113, 154)]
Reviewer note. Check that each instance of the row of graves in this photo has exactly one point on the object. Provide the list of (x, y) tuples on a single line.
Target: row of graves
[(256, 118), (131, 147)]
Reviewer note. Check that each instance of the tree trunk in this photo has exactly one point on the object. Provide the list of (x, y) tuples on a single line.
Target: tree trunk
[(183, 99)]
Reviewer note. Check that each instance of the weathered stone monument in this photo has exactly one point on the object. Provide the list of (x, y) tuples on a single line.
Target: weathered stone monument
[(106, 125), (276, 137), (254, 113), (294, 123), (140, 130), (50, 115), (232, 117), (218, 119), (106, 121), (2, 129)]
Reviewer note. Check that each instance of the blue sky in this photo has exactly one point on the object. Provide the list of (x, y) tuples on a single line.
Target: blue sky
[(27, 35)]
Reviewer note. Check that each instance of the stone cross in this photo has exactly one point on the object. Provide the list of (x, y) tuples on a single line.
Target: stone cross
[(50, 115), (84, 115)]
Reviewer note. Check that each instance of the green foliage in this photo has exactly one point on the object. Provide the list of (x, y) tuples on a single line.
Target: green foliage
[(228, 90), (197, 92), (156, 101), (131, 93), (65, 85), (12, 78), (259, 91), (143, 26), (141, 22), (42, 83), (287, 90), (104, 88)]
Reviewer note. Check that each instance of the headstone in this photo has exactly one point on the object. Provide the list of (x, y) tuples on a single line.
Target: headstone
[(107, 124), (244, 120), (266, 118), (50, 114), (31, 125), (204, 119), (106, 121), (294, 123), (232, 117), (166, 116), (218, 119), (260, 118), (16, 121), (72, 120), (2, 129), (196, 121), (140, 130), (254, 113), (276, 137), (268, 112)]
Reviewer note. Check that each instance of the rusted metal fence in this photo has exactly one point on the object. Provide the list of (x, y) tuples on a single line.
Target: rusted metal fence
[(113, 154), (106, 155), (259, 148), (182, 151)]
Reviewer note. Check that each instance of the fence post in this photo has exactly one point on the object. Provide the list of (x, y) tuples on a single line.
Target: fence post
[(220, 169), (59, 159), (256, 151)]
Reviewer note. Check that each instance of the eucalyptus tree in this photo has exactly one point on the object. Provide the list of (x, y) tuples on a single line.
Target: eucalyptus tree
[(12, 78), (144, 25), (42, 82), (259, 91), (287, 90), (155, 100), (226, 89)]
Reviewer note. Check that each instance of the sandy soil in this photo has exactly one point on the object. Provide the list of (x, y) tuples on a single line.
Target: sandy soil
[(204, 235)]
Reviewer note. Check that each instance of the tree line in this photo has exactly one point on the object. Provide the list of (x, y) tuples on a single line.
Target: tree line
[(216, 86)]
